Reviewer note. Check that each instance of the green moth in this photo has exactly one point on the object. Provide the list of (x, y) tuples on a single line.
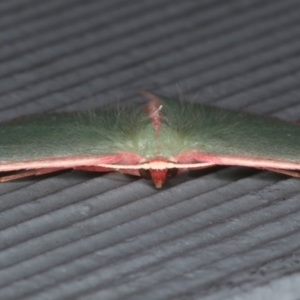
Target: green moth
[(156, 141)]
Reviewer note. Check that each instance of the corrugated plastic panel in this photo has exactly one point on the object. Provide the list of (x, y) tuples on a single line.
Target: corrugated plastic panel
[(226, 233)]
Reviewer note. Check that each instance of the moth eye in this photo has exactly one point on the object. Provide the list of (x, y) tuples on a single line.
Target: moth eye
[(145, 173), (171, 173)]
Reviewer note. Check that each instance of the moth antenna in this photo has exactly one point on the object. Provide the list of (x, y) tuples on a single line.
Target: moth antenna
[(153, 108)]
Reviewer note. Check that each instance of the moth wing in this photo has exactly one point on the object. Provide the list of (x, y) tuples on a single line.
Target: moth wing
[(225, 137), (68, 140)]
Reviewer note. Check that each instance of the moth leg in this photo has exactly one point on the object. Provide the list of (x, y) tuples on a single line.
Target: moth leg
[(94, 169), (103, 169), (28, 173), (293, 173), (136, 172), (198, 168), (133, 172)]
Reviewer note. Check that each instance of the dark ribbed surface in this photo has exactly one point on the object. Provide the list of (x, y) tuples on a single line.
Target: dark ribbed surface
[(228, 233)]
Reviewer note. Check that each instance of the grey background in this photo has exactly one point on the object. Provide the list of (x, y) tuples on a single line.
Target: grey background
[(226, 233)]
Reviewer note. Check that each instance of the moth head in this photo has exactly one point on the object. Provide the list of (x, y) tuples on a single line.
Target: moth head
[(158, 176)]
